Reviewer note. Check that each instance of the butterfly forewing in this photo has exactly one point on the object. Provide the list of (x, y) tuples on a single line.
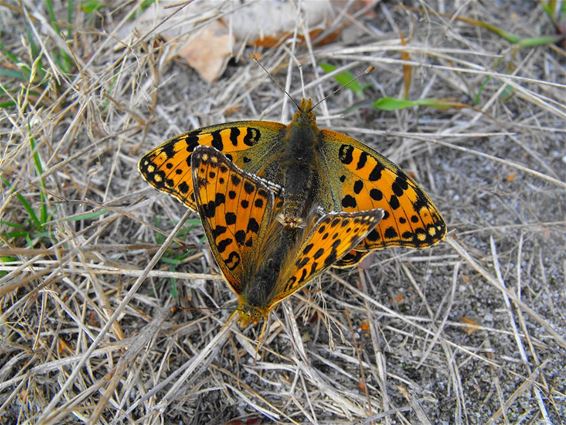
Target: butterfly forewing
[(233, 205), (362, 179), (333, 236), (168, 167)]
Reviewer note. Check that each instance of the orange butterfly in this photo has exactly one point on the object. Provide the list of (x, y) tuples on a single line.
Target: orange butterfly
[(264, 260), (317, 167)]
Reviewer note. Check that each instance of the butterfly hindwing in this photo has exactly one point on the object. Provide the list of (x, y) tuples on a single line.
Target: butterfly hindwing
[(362, 179), (332, 237), (233, 205), (351, 259), (168, 167)]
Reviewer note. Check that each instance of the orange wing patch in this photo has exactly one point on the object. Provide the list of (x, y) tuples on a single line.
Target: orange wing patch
[(233, 205), (168, 167), (367, 180), (333, 235)]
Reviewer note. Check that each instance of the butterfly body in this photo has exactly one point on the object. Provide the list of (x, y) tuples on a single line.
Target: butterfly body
[(263, 260), (298, 171), (261, 276)]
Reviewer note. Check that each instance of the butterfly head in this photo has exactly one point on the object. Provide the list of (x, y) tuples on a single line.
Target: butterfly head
[(305, 114), (251, 315)]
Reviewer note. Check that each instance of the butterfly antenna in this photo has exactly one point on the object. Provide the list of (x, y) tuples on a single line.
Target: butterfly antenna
[(366, 71), (256, 60)]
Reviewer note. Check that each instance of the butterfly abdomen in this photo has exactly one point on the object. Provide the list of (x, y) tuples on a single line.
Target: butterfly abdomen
[(261, 288)]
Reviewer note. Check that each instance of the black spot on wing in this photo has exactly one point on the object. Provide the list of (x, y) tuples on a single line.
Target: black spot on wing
[(307, 248), (248, 187), (345, 154), (349, 201), (183, 187), (233, 260), (192, 141), (230, 218), (400, 185), (169, 150), (223, 244), (252, 136), (390, 233), (236, 180), (240, 236), (318, 253), (374, 235), (420, 202), (376, 172), (394, 202), (376, 194), (219, 199), (219, 230), (209, 209), (331, 259), (234, 133), (362, 161), (217, 140), (253, 225)]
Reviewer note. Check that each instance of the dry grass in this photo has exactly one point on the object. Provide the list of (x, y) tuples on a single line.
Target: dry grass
[(470, 331)]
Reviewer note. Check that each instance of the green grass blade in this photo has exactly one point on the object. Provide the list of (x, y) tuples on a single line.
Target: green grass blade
[(7, 105), (70, 18), (345, 78), (91, 215), (11, 224), (91, 6), (39, 169), (395, 104), (12, 73), (544, 40), (27, 206)]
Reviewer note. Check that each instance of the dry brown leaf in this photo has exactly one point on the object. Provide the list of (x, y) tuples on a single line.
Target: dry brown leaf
[(208, 51)]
